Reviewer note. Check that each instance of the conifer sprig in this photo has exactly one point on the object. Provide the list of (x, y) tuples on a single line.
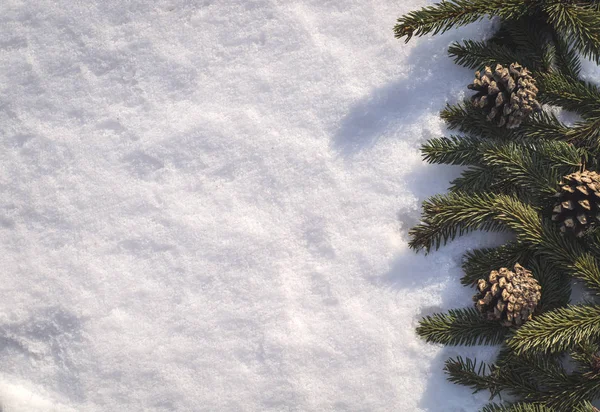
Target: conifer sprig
[(578, 23), (558, 330), (517, 407), (571, 94), (478, 54), (555, 283), (448, 14), (468, 372), (454, 214), (478, 263), (466, 118), (509, 184), (566, 59), (482, 179), (461, 327), (454, 150)]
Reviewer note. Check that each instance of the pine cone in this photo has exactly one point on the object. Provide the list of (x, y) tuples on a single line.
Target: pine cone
[(510, 297), (507, 95), (577, 207)]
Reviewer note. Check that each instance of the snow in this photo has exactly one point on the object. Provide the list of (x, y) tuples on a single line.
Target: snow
[(205, 204)]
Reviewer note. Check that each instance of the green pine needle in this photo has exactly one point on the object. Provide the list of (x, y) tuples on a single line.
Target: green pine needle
[(461, 327), (558, 330), (571, 94), (453, 150), (477, 55), (578, 23), (517, 407), (479, 263), (448, 14)]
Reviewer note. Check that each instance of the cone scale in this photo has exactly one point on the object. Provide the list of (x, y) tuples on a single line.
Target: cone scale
[(508, 296)]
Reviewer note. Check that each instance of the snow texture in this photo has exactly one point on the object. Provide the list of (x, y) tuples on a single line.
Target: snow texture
[(205, 203)]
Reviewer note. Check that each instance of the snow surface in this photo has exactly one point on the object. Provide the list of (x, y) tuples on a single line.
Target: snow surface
[(205, 203)]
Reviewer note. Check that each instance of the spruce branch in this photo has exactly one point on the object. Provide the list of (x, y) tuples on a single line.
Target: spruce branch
[(578, 23), (536, 167), (566, 58), (585, 134), (555, 283), (480, 262), (586, 407), (467, 372), (482, 179), (544, 125), (453, 214), (517, 407), (453, 150), (586, 268), (478, 54), (518, 378), (571, 94), (558, 330), (461, 327), (467, 118), (573, 391), (447, 14)]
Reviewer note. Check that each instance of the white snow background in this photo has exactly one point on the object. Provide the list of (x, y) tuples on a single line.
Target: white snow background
[(204, 206)]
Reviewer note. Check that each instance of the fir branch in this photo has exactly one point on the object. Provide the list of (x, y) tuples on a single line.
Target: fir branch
[(586, 407), (453, 150), (566, 58), (521, 218), (555, 283), (528, 34), (573, 391), (571, 94), (517, 407), (447, 14), (580, 24), (532, 40), (479, 263), (461, 327), (585, 356), (453, 214), (467, 372), (515, 378), (531, 168), (568, 253), (586, 268), (544, 125), (526, 169), (585, 134), (535, 407), (469, 119), (482, 179), (477, 55), (531, 377), (558, 330)]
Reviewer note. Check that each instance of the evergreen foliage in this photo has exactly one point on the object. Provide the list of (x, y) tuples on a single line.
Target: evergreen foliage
[(508, 184), (461, 327), (577, 23), (559, 330)]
